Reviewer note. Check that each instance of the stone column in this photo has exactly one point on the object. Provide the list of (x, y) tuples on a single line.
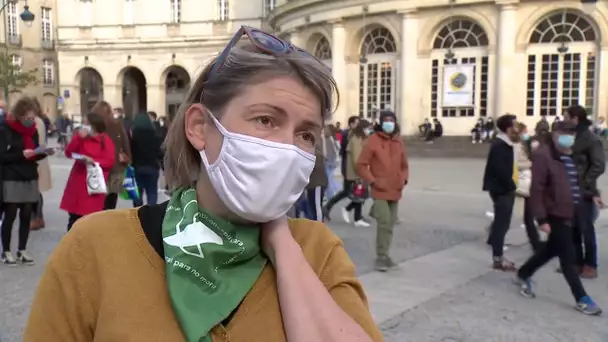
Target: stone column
[(113, 95), (601, 78), (338, 69), (506, 59), (409, 91)]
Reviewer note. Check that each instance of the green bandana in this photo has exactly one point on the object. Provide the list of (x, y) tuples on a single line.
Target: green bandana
[(211, 264)]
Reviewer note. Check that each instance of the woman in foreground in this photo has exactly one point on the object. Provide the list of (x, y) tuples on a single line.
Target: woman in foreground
[(219, 261)]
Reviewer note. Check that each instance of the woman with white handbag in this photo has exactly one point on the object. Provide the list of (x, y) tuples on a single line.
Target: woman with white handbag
[(93, 154), (523, 160)]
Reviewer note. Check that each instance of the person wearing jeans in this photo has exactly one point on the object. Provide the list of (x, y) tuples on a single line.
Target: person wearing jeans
[(353, 121), (146, 151), (383, 165), (500, 179), (147, 183), (356, 141), (589, 157), (556, 200)]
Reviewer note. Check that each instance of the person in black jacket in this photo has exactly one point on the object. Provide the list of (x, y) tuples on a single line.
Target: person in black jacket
[(588, 154), (499, 180), (18, 157), (146, 154)]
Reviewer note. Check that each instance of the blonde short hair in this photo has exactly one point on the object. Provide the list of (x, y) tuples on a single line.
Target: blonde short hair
[(244, 67)]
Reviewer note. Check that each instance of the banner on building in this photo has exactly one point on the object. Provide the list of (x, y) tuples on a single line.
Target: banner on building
[(458, 82)]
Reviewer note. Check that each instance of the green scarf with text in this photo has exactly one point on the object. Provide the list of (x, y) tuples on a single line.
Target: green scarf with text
[(211, 264)]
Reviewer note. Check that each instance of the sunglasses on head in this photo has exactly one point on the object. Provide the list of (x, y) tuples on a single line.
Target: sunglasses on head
[(264, 42)]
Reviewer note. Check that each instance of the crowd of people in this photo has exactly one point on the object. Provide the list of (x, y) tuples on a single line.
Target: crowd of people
[(373, 164), (220, 260), (106, 138), (554, 172)]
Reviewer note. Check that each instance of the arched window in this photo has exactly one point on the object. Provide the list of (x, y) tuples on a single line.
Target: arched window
[(177, 83), (561, 64), (322, 49), (377, 72), (460, 33), (378, 40), (467, 43), (91, 89)]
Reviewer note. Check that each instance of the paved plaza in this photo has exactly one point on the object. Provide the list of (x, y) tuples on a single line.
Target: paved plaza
[(444, 289)]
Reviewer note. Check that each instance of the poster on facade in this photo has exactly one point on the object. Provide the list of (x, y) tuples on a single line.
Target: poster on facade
[(458, 85)]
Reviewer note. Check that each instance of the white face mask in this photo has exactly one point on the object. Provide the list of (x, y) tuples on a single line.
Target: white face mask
[(257, 179)]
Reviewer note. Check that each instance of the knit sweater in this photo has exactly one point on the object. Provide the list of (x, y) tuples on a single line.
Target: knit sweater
[(105, 282)]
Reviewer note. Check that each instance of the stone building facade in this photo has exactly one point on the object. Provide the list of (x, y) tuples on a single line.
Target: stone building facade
[(142, 55), (527, 57), (33, 47)]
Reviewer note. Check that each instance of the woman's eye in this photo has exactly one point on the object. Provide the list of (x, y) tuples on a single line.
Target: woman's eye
[(309, 138), (264, 120)]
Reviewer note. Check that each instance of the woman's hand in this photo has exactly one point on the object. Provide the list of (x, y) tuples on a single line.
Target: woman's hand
[(275, 233), (29, 153)]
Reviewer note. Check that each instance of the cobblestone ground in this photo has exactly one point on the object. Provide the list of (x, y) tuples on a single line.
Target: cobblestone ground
[(442, 209)]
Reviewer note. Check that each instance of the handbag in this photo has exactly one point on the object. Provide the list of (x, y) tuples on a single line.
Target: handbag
[(96, 183), (359, 191), (130, 190), (524, 181)]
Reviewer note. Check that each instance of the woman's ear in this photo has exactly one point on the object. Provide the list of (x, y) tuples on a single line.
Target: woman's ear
[(194, 125)]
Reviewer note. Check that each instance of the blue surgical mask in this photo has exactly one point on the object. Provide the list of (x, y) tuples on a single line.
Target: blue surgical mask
[(388, 127), (565, 141), (525, 137), (1, 112), (28, 123), (368, 131)]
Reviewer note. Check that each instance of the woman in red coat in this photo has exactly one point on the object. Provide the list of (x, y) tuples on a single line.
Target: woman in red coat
[(94, 146)]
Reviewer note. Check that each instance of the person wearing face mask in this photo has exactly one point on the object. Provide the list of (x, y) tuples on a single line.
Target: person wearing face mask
[(219, 260), (383, 165), (523, 150), (19, 153), (89, 145), (353, 121), (556, 200), (356, 140), (589, 156)]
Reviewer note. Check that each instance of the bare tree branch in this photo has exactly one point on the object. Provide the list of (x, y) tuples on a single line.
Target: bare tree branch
[(13, 77)]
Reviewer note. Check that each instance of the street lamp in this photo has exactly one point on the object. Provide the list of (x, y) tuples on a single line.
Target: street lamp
[(27, 16)]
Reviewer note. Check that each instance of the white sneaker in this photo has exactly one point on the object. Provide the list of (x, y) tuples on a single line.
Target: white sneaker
[(8, 259), (361, 223), (345, 215), (490, 214), (505, 248), (24, 258)]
